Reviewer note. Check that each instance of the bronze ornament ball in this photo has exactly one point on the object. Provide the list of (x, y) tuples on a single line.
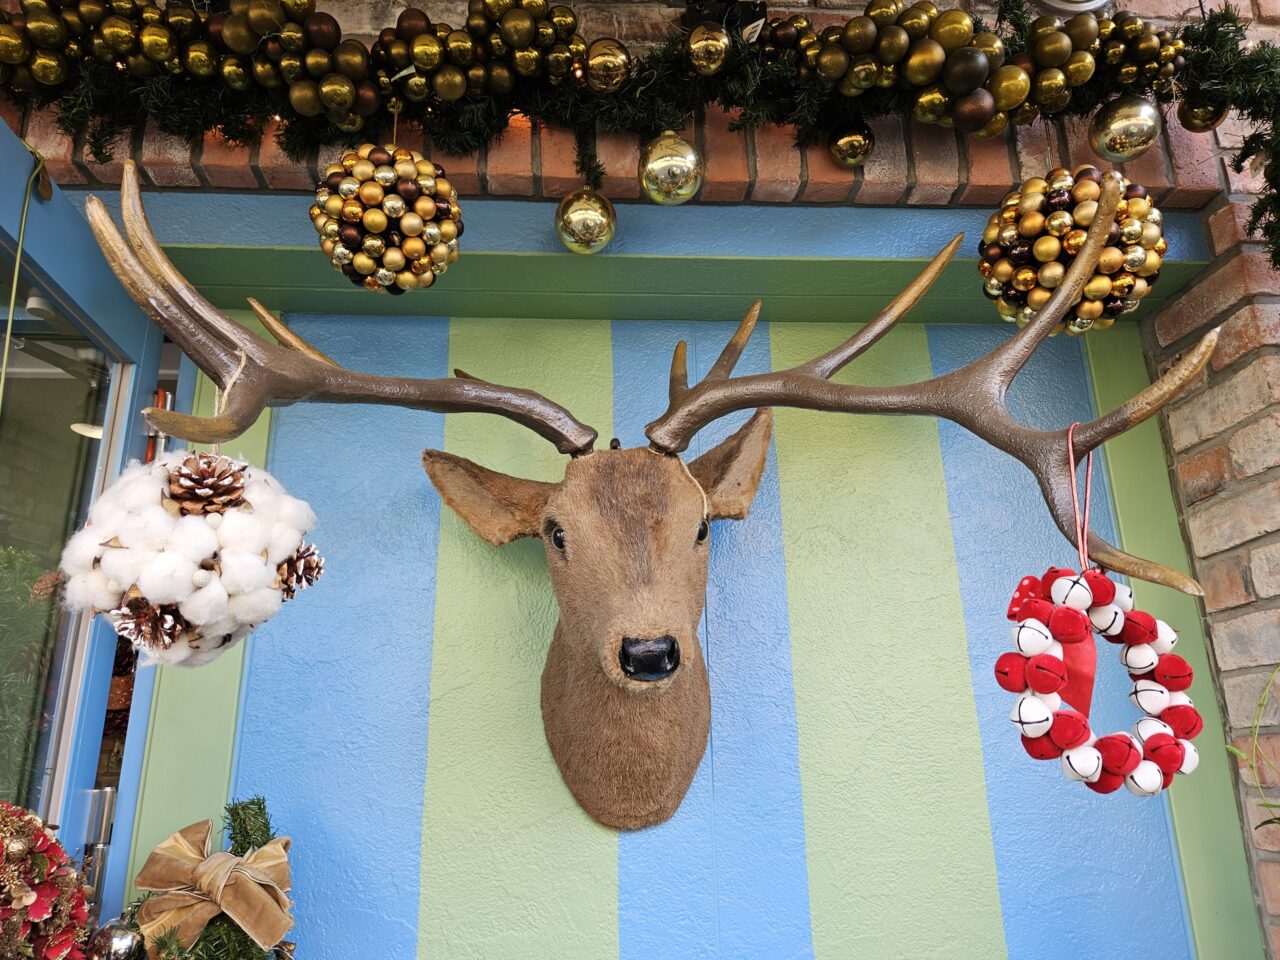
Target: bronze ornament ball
[(966, 70), (852, 146), (858, 35), (1125, 128), (671, 169), (833, 62), (517, 28), (608, 65), (973, 111), (585, 221), (1198, 117), (916, 21), (426, 52), (387, 198), (707, 47), (1041, 227), (449, 82)]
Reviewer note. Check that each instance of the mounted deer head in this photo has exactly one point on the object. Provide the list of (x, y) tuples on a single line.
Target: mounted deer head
[(625, 698)]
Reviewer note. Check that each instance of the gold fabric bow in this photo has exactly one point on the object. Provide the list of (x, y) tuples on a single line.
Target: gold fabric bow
[(192, 886)]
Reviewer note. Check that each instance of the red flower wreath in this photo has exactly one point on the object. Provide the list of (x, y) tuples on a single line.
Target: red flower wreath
[(42, 902)]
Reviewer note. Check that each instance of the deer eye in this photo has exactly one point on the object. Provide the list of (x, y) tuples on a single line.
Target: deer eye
[(704, 529), (557, 538)]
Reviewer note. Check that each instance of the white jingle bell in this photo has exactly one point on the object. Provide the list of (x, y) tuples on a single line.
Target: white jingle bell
[(1149, 697), (1124, 597), (1139, 658), (1071, 592), (1055, 650), (1031, 716), (1148, 727), (1166, 638), (1051, 700), (1083, 764), (1179, 699), (1146, 780), (1190, 758), (1031, 637), (1108, 619)]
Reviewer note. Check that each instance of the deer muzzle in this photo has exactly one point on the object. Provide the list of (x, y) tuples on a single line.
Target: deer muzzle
[(649, 660)]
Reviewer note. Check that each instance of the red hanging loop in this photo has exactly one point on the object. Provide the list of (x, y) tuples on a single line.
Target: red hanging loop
[(1081, 519)]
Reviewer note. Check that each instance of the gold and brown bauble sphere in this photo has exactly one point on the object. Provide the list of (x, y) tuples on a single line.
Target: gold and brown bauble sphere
[(671, 169), (388, 218), (1029, 243), (585, 221)]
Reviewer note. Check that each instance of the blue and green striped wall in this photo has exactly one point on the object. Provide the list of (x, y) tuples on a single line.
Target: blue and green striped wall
[(863, 793)]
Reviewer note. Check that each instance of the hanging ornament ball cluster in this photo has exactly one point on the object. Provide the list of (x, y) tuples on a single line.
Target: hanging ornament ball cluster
[(387, 218), (1125, 128), (671, 169), (585, 221), (187, 555), (1055, 616), (1029, 243)]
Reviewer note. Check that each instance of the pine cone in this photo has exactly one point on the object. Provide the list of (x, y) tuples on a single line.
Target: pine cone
[(203, 483), (143, 623), (300, 571)]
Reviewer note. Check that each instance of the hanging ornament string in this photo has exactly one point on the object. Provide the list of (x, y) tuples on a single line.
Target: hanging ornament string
[(17, 272), (220, 396), (1081, 518)]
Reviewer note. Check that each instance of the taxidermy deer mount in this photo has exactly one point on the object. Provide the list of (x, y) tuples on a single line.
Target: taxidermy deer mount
[(625, 701)]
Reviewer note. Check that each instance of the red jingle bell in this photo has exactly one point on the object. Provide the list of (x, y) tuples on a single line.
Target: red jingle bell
[(1164, 751), (1037, 609), (1045, 673), (1168, 780), (1041, 748), (1184, 719), (1174, 672), (1028, 589), (1119, 754), (1106, 782), (1101, 586), (1069, 625), (1139, 627), (1011, 672), (1069, 729)]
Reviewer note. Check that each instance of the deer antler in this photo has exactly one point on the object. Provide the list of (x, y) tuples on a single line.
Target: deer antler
[(255, 374), (973, 396)]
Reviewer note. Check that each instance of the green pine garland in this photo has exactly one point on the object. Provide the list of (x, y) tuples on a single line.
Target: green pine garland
[(247, 826)]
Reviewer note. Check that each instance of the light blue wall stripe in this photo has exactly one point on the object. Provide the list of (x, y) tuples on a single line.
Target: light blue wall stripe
[(352, 657), (1081, 875), (727, 875)]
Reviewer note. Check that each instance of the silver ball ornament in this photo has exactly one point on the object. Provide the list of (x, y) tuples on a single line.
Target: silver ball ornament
[(393, 206), (427, 185), (1134, 257), (116, 942), (431, 233), (384, 175), (384, 276), (348, 187)]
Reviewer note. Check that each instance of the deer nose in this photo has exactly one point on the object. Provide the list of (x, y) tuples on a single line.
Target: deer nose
[(648, 660)]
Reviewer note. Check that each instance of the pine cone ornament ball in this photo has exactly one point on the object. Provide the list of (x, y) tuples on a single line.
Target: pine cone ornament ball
[(204, 483)]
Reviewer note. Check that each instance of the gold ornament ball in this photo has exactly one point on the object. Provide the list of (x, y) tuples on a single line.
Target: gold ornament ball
[(608, 65), (924, 62), (708, 48), (585, 221), (1196, 117), (851, 147), (953, 29), (1124, 129), (671, 169), (14, 45), (1010, 85)]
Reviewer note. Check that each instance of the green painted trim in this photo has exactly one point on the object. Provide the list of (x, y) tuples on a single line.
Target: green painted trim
[(1223, 915), (623, 287), (881, 833), (511, 865), (191, 739)]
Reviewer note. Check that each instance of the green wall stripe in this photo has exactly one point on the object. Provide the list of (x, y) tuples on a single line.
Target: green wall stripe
[(186, 771), (895, 804), (1206, 820), (511, 866)]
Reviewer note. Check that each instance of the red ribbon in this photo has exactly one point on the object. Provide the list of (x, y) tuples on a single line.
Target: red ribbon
[(1081, 658)]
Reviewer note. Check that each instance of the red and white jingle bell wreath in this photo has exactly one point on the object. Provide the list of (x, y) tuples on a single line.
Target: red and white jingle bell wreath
[(1052, 668)]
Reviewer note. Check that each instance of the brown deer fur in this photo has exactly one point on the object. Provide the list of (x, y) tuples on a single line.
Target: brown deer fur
[(631, 566)]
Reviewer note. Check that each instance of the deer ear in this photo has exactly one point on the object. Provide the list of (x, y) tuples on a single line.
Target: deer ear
[(498, 507), (730, 471)]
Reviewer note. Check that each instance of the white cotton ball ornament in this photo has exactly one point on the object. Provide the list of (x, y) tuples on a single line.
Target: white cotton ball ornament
[(192, 538), (1031, 637), (80, 553), (1166, 638), (241, 530), (123, 565), (137, 494), (256, 606), (1108, 619), (1146, 780), (1149, 697), (1139, 658), (282, 543), (1031, 716), (244, 572), (1190, 758), (167, 578), (296, 513), (1124, 597), (91, 591), (1082, 764), (1071, 592), (1148, 727), (206, 605), (214, 520), (146, 530)]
